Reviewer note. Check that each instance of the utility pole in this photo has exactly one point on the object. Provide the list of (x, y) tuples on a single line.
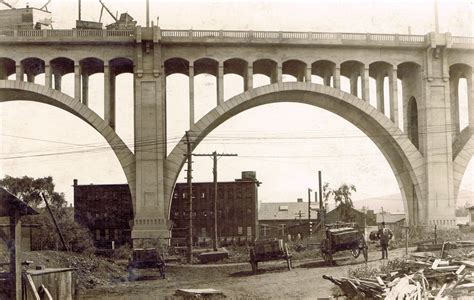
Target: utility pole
[(189, 178), (214, 156), (321, 207), (309, 210)]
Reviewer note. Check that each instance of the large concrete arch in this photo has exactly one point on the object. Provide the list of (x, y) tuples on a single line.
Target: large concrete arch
[(404, 159), (462, 154), (12, 90)]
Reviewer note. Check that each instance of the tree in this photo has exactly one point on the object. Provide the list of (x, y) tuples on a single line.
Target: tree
[(29, 190), (343, 198)]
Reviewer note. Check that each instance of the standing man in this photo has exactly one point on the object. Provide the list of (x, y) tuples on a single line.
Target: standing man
[(385, 235)]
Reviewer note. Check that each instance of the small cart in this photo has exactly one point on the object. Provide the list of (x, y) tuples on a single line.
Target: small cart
[(340, 237), (269, 249), (148, 258)]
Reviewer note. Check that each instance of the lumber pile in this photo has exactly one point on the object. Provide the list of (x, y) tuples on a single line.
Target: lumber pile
[(421, 276)]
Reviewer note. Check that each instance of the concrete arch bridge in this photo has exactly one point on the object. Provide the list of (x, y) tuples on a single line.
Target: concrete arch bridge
[(428, 151)]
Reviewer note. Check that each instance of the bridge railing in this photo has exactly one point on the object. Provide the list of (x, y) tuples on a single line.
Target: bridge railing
[(235, 35)]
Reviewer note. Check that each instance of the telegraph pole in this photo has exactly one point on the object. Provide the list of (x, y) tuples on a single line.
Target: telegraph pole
[(321, 208), (189, 178), (214, 156), (309, 210)]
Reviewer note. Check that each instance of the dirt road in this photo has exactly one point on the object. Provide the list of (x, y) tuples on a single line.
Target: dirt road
[(237, 281)]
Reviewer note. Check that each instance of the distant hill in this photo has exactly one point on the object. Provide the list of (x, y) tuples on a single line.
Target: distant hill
[(393, 203)]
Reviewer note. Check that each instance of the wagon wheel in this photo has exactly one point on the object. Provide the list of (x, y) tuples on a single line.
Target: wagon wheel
[(355, 251)]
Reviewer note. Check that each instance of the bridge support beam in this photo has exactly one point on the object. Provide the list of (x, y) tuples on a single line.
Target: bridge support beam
[(48, 76), (191, 94), (220, 84), (435, 127), (364, 80), (19, 72), (393, 86), (77, 82), (248, 78), (336, 77), (380, 93), (470, 100), (151, 223), (85, 89), (353, 81), (109, 96)]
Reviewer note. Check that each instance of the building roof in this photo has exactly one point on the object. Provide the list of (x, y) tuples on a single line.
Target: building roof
[(389, 218), (8, 202), (284, 211)]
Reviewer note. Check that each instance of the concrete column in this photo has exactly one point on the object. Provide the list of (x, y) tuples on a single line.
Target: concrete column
[(454, 97), (107, 96), (151, 202), (307, 77), (48, 76), (470, 99), (77, 82), (393, 86), (191, 95), (327, 79), (30, 77), (85, 89), (353, 80), (438, 184), (57, 81), (365, 84), (220, 83), (19, 72), (248, 78), (337, 77), (380, 96), (279, 72)]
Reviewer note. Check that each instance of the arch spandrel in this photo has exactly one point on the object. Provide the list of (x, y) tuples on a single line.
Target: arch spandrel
[(12, 90), (400, 153)]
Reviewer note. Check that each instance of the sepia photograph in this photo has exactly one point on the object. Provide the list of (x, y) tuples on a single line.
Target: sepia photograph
[(240, 149)]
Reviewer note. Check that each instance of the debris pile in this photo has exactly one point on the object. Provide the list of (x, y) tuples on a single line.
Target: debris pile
[(422, 276)]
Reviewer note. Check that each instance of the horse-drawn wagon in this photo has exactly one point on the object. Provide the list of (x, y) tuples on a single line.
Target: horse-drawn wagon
[(269, 249), (343, 236)]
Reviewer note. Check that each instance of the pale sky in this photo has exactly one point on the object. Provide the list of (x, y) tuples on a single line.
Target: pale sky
[(286, 144)]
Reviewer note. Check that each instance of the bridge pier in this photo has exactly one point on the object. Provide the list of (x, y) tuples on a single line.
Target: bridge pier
[(151, 224), (435, 127)]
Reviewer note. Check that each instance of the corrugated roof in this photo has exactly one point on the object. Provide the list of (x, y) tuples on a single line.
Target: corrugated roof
[(389, 218), (284, 211)]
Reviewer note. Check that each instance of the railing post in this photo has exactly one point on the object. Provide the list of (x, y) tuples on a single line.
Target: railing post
[(104, 33), (74, 32), (190, 33), (15, 32), (367, 37), (45, 33), (221, 33)]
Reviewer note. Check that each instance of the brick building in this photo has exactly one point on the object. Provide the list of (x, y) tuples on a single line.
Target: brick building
[(237, 203), (107, 211)]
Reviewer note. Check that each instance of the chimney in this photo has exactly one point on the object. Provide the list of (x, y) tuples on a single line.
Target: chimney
[(299, 200), (74, 182)]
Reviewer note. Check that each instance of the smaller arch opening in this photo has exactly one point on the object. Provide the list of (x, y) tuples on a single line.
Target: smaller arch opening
[(176, 65), (7, 67)]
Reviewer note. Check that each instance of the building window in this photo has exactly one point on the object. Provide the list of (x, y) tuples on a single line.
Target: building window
[(249, 231), (240, 230), (203, 231), (97, 234), (107, 237), (175, 195), (203, 195), (116, 234), (184, 195), (282, 229)]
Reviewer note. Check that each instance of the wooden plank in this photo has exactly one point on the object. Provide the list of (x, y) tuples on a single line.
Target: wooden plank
[(435, 263), (441, 291), (31, 288), (461, 268)]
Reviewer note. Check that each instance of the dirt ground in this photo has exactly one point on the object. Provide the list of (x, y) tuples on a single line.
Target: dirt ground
[(237, 281)]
